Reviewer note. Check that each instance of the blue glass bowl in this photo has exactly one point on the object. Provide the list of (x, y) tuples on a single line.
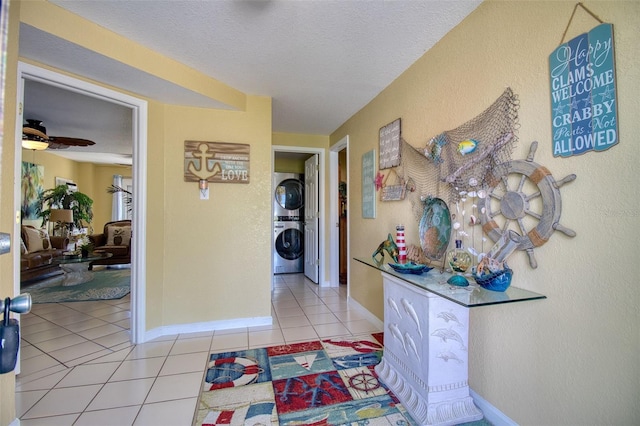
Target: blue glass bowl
[(410, 268), (495, 281)]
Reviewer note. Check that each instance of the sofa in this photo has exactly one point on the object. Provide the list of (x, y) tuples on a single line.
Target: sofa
[(38, 251), (115, 239)]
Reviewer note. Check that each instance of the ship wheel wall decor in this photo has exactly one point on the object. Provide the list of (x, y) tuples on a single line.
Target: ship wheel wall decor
[(527, 197)]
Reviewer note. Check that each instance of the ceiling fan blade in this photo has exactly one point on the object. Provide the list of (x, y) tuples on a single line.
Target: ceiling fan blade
[(66, 142), (53, 145)]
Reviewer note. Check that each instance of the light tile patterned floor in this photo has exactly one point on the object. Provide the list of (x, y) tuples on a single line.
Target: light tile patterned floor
[(78, 367)]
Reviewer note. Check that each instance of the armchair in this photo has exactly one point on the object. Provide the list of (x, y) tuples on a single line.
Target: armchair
[(115, 239)]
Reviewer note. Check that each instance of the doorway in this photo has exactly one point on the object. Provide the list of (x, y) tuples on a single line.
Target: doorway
[(303, 153), (139, 167), (339, 181)]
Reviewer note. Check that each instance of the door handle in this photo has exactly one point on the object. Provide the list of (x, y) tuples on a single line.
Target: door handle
[(10, 330)]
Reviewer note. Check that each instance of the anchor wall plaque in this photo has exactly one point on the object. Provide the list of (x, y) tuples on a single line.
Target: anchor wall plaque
[(216, 162)]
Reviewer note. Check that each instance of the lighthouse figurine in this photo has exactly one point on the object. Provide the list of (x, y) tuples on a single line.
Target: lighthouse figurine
[(402, 246)]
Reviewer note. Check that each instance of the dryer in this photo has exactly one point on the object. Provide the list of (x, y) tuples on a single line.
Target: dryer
[(288, 247), (288, 196)]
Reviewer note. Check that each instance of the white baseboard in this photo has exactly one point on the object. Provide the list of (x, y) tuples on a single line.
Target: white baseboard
[(491, 413), (370, 317), (327, 284), (196, 327)]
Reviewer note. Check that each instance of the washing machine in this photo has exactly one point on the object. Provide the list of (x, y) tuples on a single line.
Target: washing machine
[(288, 197), (288, 247)]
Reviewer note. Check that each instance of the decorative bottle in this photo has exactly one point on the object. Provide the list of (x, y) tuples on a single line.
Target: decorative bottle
[(459, 260)]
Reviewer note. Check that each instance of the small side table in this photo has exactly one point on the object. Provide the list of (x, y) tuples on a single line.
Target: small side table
[(76, 270)]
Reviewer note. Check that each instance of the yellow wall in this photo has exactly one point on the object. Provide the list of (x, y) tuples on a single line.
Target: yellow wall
[(572, 358), (217, 256), (288, 165)]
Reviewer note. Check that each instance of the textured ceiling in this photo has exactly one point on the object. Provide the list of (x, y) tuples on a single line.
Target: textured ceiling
[(321, 61)]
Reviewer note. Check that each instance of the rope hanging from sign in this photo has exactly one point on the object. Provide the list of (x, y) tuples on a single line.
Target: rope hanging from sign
[(593, 15)]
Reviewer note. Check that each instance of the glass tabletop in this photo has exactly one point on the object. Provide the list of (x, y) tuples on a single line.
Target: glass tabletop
[(435, 281), (76, 258)]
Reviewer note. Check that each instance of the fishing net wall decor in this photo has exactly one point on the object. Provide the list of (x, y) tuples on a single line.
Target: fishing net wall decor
[(422, 177), (475, 154), (464, 159)]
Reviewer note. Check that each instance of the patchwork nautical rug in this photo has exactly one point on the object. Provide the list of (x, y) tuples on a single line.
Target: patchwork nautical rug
[(328, 382)]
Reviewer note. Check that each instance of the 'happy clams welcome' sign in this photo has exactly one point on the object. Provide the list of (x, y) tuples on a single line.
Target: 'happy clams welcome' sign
[(583, 93)]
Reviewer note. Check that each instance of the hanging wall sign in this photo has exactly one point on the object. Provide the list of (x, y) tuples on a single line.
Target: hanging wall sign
[(390, 145), (219, 162), (369, 184), (583, 93)]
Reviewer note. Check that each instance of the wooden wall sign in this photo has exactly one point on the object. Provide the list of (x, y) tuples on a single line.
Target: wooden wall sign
[(217, 162), (583, 94), (390, 145)]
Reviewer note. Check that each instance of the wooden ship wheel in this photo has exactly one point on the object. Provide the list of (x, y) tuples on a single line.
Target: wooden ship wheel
[(527, 198)]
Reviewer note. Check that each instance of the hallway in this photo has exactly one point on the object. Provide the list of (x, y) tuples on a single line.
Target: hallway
[(78, 367)]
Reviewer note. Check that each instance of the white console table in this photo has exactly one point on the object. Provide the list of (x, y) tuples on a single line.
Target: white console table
[(426, 341)]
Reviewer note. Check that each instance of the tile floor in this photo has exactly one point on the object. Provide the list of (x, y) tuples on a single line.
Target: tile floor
[(78, 367)]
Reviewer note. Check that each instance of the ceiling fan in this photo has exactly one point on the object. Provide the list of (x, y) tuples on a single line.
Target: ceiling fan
[(34, 136)]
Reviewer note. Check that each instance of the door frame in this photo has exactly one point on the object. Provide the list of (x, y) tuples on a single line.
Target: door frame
[(321, 201), (334, 219), (139, 172)]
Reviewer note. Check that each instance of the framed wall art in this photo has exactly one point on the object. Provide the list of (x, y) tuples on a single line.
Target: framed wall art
[(73, 187), (32, 188)]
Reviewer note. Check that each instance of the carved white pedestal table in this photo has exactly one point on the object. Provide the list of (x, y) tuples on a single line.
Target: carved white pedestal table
[(426, 342)]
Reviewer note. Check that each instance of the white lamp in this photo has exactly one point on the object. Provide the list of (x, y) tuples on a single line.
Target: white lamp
[(34, 145)]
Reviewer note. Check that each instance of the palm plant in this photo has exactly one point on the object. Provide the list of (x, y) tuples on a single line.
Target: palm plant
[(126, 195)]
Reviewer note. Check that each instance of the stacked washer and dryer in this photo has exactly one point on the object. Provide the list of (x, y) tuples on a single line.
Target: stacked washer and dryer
[(288, 225)]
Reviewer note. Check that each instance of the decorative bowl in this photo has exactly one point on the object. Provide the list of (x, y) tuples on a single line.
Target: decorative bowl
[(495, 281), (410, 268)]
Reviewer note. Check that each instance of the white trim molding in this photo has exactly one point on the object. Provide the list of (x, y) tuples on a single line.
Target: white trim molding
[(199, 327)]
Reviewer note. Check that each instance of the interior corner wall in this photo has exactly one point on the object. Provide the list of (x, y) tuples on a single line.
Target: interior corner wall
[(217, 254), (571, 358)]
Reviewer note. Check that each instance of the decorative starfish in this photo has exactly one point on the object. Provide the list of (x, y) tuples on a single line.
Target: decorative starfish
[(378, 180)]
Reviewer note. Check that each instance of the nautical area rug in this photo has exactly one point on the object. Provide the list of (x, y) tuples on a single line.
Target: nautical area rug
[(106, 284), (328, 382)]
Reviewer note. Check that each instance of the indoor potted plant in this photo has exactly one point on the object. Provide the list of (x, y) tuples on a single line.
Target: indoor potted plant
[(61, 197), (84, 245)]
